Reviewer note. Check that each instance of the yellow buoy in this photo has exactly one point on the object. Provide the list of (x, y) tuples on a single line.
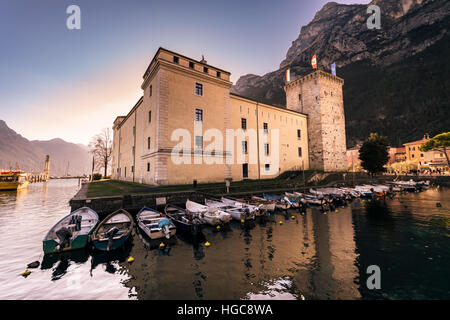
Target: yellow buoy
[(207, 244), (324, 212), (130, 259), (242, 220), (218, 227), (26, 273), (161, 244), (293, 217), (336, 210), (281, 222)]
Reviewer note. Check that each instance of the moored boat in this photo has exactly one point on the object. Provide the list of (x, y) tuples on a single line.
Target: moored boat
[(13, 180), (237, 213), (113, 231), (263, 204), (155, 224), (242, 204), (183, 219), (280, 203), (211, 216), (71, 232)]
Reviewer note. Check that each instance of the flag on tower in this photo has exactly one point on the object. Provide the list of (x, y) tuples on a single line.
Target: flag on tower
[(314, 61), (333, 69), (288, 75)]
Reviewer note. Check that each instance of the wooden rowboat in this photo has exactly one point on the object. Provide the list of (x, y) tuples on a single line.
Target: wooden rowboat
[(113, 231), (71, 232)]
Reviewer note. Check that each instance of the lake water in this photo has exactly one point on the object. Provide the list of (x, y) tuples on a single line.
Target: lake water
[(314, 256)]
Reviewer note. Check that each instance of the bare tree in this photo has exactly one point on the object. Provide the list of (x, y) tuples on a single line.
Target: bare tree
[(101, 147)]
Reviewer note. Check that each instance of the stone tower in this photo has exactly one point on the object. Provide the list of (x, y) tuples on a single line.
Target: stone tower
[(319, 95)]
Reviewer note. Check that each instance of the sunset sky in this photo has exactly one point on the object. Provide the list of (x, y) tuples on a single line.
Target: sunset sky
[(69, 84)]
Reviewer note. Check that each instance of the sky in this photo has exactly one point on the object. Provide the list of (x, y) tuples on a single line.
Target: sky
[(70, 84)]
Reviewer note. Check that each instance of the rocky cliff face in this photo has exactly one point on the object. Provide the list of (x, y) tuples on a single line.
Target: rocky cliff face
[(413, 38), (30, 155)]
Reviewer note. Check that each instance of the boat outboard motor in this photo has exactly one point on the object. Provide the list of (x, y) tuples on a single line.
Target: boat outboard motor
[(164, 224), (110, 235), (64, 235), (247, 213)]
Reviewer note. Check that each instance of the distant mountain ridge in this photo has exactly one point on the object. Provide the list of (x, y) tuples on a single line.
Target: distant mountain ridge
[(65, 157), (396, 78)]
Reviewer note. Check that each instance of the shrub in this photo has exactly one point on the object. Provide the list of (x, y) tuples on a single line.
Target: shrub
[(97, 176)]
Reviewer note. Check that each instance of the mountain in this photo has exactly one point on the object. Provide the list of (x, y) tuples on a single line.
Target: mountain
[(30, 155), (396, 77)]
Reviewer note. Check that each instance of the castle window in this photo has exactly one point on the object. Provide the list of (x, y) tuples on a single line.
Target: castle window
[(148, 166), (191, 65), (198, 115), (151, 87), (148, 143), (267, 167), (266, 149), (176, 59), (125, 172), (149, 116), (199, 89), (299, 151), (199, 142), (299, 133), (266, 127), (218, 74), (244, 147), (132, 168), (205, 69), (244, 124)]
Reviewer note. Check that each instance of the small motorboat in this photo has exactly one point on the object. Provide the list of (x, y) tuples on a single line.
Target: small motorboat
[(295, 197), (211, 216), (113, 231), (237, 213), (71, 232), (280, 203), (183, 219), (364, 191), (312, 199), (241, 204), (263, 204), (155, 224)]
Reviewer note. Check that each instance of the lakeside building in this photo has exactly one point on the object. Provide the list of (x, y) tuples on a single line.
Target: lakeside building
[(396, 155), (425, 160), (413, 152), (353, 161), (188, 127)]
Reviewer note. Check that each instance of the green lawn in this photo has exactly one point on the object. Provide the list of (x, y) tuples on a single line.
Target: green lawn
[(105, 188)]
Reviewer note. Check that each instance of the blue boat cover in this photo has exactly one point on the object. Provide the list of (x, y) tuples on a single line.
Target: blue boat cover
[(163, 222)]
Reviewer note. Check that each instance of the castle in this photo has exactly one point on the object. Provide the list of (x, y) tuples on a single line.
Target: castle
[(189, 127)]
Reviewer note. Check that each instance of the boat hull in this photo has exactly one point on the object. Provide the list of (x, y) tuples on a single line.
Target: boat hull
[(117, 243), (156, 234), (79, 242), (13, 185)]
